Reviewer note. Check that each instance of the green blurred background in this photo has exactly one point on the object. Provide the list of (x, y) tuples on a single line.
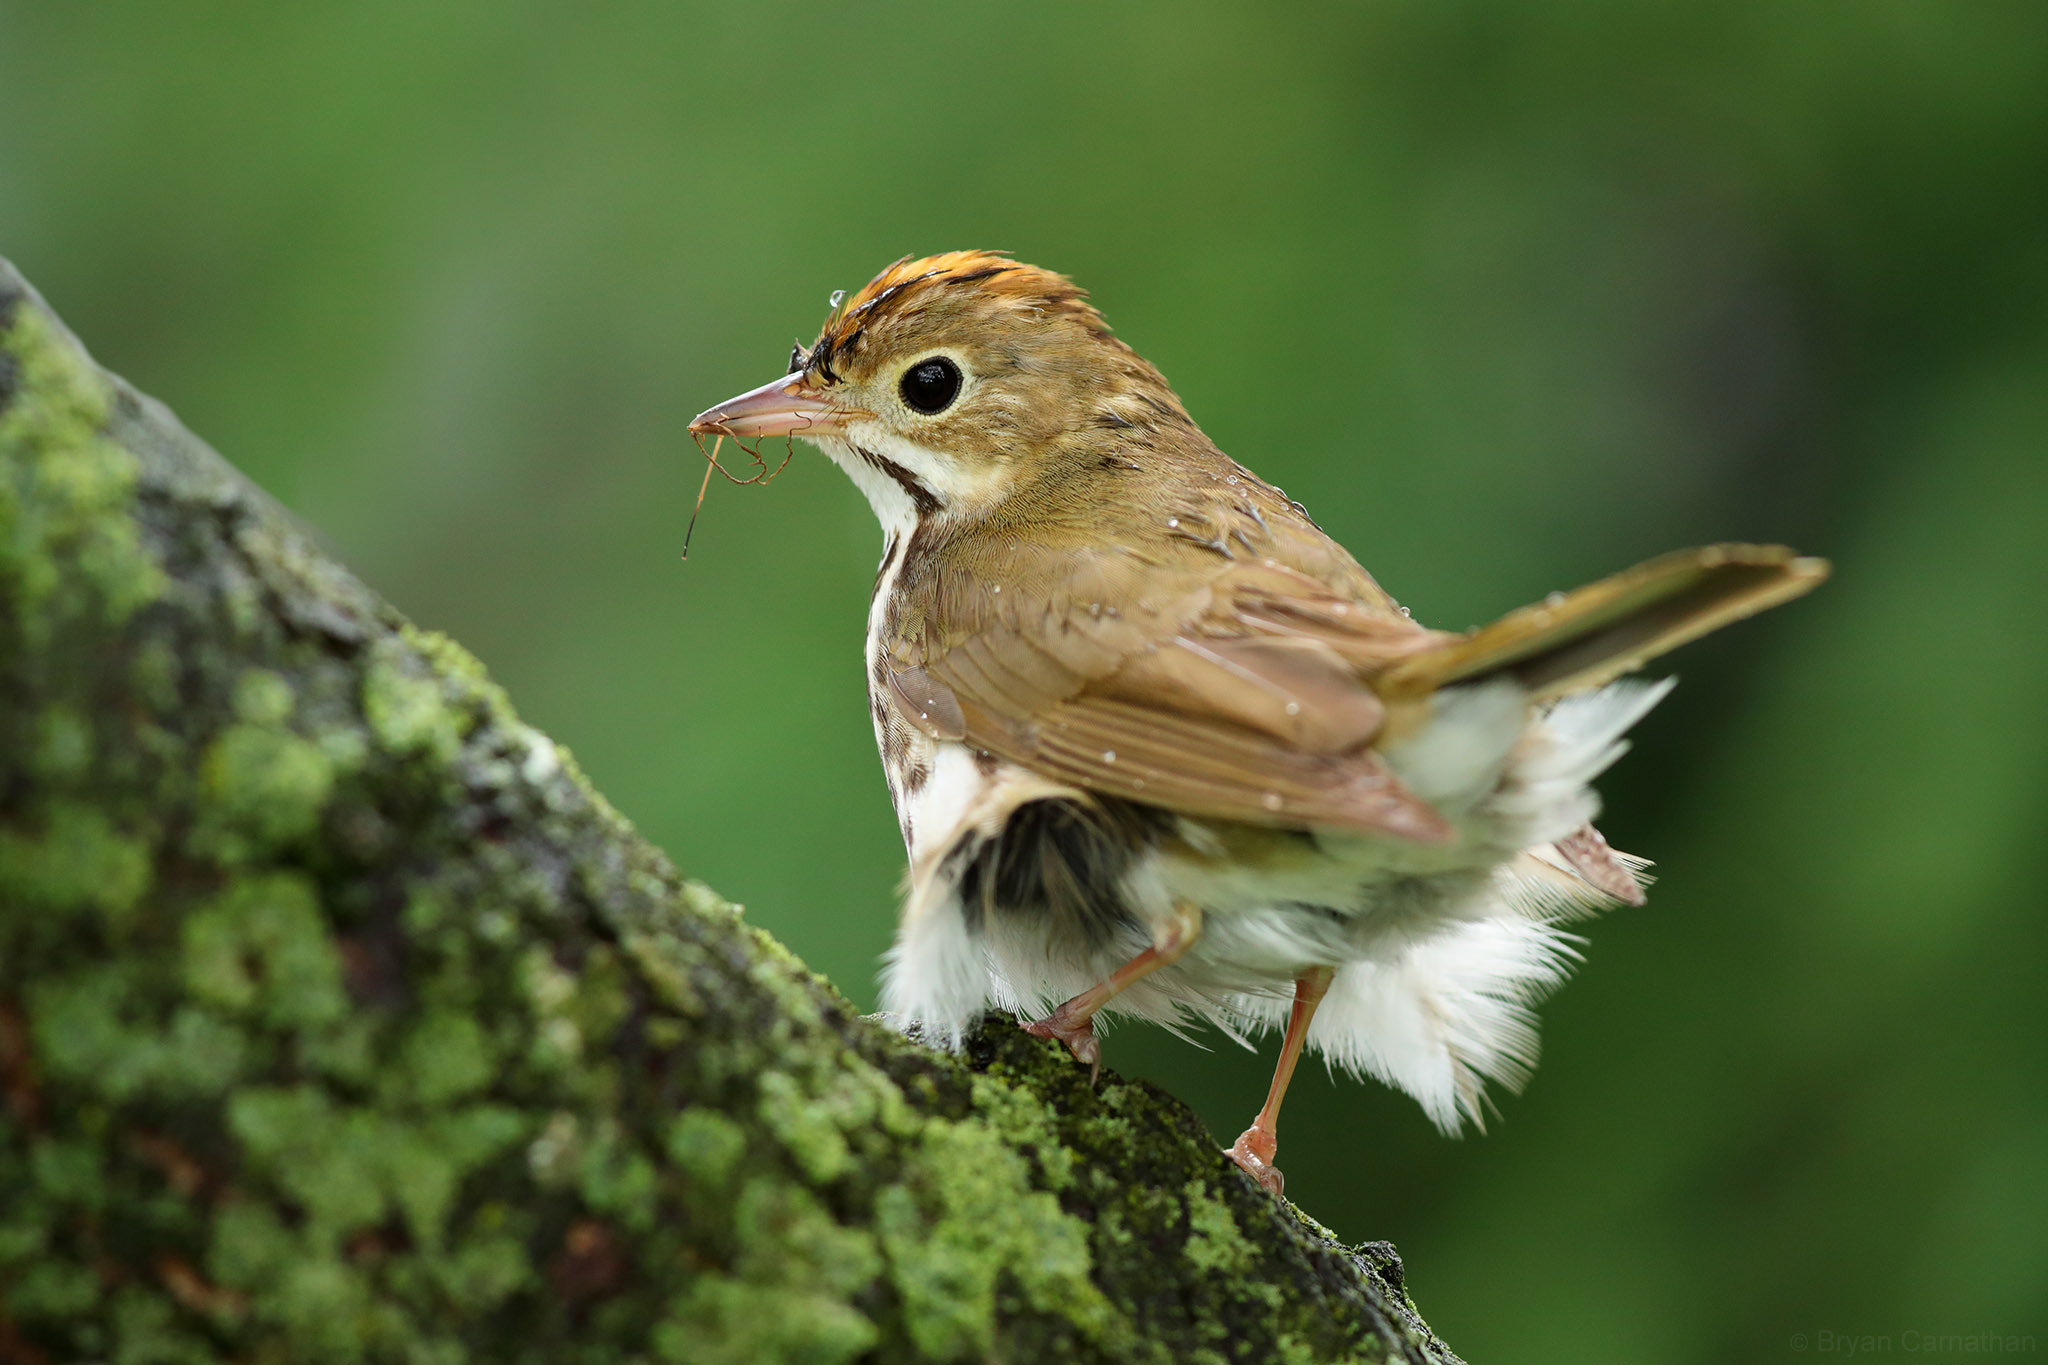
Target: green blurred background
[(1509, 296)]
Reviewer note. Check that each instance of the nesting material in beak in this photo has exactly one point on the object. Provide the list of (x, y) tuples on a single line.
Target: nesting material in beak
[(781, 407)]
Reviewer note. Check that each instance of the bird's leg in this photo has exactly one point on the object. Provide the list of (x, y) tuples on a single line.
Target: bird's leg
[(1256, 1146), (1074, 1022)]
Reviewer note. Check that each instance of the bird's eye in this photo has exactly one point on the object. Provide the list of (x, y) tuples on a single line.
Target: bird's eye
[(931, 385)]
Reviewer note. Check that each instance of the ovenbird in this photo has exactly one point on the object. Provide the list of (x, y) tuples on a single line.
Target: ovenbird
[(1159, 746)]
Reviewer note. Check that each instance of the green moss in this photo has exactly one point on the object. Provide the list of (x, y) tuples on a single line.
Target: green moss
[(451, 661), (1026, 1125), (966, 1218), (422, 1180), (262, 697), (147, 1331), (63, 744), (326, 1307), (155, 672), (615, 1177), (815, 1123), (261, 948), (574, 1010), (52, 1289), (786, 1237), (556, 1153), (426, 911), (787, 1299), (445, 1056), (94, 1030), (808, 1129), (323, 1158), (666, 961), (250, 1246), (68, 547), (705, 1145), (68, 1173), (74, 861), (349, 1051), (1214, 1243), (479, 1273), (262, 787), (722, 1320), (407, 713)]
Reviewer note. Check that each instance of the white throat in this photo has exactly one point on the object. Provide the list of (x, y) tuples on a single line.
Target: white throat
[(892, 503), (906, 482)]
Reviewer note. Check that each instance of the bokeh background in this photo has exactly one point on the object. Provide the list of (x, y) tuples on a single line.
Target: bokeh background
[(1509, 296)]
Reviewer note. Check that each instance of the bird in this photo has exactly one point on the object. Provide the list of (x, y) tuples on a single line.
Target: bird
[(1160, 748)]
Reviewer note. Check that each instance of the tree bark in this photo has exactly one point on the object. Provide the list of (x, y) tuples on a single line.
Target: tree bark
[(341, 1020)]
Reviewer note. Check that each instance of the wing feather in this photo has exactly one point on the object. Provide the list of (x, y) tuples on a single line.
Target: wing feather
[(1176, 699)]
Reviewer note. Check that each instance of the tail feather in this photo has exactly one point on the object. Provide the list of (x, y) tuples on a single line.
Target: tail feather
[(1584, 638)]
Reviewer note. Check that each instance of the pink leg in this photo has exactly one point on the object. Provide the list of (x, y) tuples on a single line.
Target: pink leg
[(1257, 1145), (1074, 1022)]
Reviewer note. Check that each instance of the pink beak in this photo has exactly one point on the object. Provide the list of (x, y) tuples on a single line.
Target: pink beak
[(781, 407)]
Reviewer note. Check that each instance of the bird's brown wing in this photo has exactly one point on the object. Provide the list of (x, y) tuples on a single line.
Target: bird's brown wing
[(1227, 687)]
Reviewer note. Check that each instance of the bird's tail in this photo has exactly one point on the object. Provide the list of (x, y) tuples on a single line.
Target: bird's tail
[(1577, 640)]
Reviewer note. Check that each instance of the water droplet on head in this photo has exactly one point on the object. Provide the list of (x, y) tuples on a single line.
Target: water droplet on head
[(1231, 479), (1173, 523), (1109, 755), (1552, 599), (1294, 708), (1272, 801), (996, 587), (838, 297)]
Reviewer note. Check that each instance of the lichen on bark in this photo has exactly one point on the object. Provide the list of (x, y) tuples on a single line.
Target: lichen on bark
[(341, 1020)]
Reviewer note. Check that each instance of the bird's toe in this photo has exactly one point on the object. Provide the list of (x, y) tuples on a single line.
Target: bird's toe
[(1254, 1151), (1079, 1039)]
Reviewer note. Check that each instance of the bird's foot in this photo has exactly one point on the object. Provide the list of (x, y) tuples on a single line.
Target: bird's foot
[(1077, 1034), (1254, 1151)]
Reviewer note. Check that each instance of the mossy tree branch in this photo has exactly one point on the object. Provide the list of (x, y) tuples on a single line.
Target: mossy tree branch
[(341, 1020)]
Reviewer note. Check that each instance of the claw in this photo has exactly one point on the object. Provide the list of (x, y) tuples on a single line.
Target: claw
[(1254, 1151), (1079, 1038)]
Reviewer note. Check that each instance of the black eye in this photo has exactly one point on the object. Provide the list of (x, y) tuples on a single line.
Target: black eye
[(930, 385)]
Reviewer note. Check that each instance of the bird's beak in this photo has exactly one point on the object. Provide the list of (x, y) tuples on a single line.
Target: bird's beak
[(781, 407)]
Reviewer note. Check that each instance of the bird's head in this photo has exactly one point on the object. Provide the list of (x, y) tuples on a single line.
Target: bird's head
[(948, 384)]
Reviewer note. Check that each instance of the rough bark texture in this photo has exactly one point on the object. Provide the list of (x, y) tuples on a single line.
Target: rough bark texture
[(341, 1020)]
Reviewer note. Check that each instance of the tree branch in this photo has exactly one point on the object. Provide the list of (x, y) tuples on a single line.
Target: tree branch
[(341, 1020)]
